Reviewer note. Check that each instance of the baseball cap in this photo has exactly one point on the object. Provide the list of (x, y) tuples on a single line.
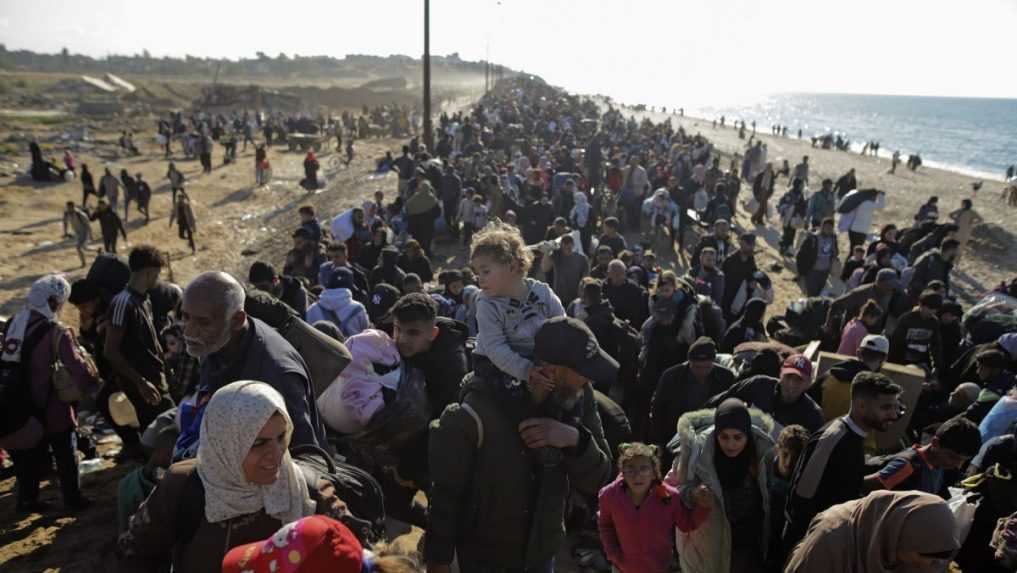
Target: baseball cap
[(315, 543), (748, 238), (703, 349), (565, 341), (875, 343), (341, 277), (797, 364), (887, 276), (261, 272), (383, 297)]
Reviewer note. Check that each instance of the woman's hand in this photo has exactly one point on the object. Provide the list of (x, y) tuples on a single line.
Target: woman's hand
[(702, 497)]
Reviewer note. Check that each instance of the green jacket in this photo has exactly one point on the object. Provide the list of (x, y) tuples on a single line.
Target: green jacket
[(491, 500)]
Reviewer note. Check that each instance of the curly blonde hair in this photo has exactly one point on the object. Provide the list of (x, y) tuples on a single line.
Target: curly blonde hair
[(504, 244), (630, 451)]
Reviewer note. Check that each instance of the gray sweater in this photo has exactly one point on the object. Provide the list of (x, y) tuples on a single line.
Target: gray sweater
[(506, 326)]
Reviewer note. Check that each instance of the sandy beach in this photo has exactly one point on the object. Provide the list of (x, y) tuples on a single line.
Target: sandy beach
[(991, 256)]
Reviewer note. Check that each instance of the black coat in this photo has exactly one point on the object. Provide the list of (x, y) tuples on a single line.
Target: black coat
[(763, 392), (629, 301)]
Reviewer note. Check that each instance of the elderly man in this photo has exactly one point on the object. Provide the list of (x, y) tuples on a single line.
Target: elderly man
[(628, 298), (504, 461), (234, 346)]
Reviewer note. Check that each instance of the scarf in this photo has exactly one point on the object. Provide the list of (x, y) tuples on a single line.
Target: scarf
[(49, 286), (581, 209), (230, 424), (732, 414), (866, 534)]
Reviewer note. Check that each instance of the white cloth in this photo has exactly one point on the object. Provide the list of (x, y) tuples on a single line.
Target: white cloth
[(860, 219), (580, 214), (342, 226), (44, 288), (231, 423)]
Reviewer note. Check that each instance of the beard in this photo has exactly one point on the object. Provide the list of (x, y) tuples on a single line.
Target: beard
[(200, 348)]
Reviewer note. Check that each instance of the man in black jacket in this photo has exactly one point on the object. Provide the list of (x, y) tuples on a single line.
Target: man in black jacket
[(437, 347), (614, 335), (504, 460), (784, 399), (916, 338), (628, 298), (685, 388), (738, 268), (285, 288), (719, 239), (831, 469)]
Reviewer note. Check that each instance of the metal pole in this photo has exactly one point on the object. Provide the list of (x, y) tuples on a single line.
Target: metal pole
[(428, 130)]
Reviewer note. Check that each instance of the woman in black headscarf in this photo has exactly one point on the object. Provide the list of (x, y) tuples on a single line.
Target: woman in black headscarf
[(748, 328), (721, 465)]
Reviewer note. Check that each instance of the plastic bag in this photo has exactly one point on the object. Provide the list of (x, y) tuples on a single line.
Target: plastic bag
[(342, 226), (963, 504)]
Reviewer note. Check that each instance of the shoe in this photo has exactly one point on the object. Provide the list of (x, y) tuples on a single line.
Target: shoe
[(33, 507)]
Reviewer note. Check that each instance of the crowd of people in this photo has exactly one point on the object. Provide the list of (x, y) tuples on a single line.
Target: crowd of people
[(565, 389)]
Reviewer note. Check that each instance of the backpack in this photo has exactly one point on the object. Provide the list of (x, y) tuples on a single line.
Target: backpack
[(16, 406), (343, 323), (357, 488), (109, 273)]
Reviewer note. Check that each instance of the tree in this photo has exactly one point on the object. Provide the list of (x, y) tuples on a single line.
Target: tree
[(146, 54), (262, 56), (65, 57), (282, 56)]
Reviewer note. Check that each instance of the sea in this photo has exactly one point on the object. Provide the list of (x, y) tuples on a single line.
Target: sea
[(974, 136)]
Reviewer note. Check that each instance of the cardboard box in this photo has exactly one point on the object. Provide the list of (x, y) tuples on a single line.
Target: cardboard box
[(909, 377)]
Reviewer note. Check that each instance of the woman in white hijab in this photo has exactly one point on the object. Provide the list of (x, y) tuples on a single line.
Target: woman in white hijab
[(36, 416), (241, 488)]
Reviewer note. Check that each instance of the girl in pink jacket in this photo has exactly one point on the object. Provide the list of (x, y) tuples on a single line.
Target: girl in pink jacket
[(638, 513)]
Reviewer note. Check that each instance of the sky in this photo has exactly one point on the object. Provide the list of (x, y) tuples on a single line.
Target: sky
[(664, 52)]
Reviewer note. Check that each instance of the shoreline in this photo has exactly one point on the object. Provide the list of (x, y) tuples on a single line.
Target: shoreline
[(853, 149), (990, 258)]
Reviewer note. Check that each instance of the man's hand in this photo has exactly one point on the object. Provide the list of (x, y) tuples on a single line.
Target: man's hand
[(149, 393), (545, 432), (329, 501), (702, 497)]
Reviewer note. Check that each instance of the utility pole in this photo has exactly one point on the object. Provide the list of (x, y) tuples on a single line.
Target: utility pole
[(428, 130)]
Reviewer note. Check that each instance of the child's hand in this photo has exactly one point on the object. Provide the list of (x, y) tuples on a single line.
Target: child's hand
[(702, 497), (539, 381)]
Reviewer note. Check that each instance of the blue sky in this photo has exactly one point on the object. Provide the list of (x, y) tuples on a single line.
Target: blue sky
[(659, 52)]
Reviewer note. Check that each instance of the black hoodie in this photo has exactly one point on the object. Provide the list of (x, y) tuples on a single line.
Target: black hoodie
[(444, 365)]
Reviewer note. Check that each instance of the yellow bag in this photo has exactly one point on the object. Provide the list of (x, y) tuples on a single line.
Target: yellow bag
[(63, 381)]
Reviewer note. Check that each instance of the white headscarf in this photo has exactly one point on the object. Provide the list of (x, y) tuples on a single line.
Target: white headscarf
[(581, 209), (231, 423), (43, 289)]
